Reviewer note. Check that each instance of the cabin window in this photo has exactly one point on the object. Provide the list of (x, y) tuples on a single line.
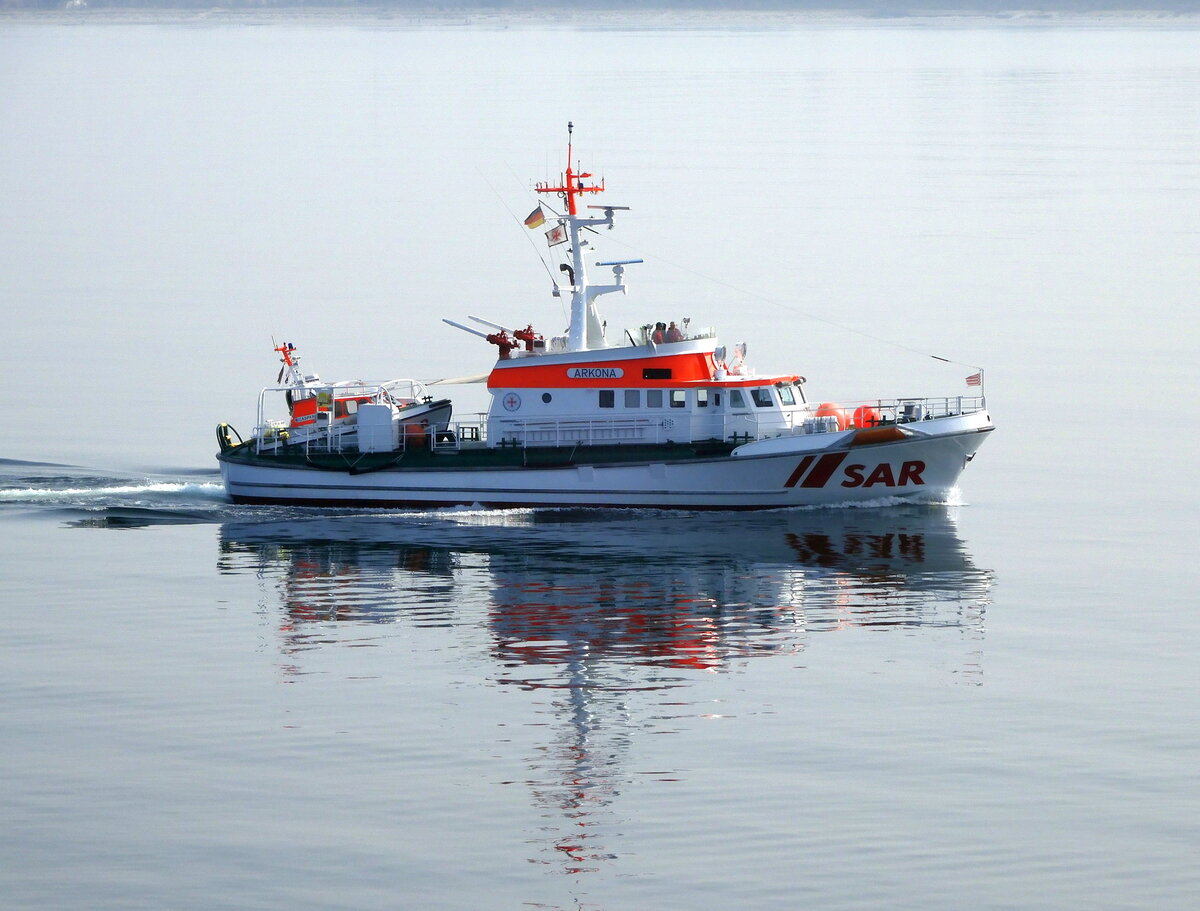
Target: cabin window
[(716, 400), (736, 399), (633, 398), (653, 398), (761, 396), (701, 398), (656, 373), (678, 398), (786, 395), (608, 398)]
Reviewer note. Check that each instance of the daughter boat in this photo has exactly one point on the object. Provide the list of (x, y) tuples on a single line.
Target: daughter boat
[(661, 417)]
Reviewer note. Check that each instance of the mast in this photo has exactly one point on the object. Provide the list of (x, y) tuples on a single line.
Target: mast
[(586, 330), (291, 365)]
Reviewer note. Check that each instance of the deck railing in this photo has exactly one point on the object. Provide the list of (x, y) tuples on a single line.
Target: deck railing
[(329, 436), (907, 410), (600, 431)]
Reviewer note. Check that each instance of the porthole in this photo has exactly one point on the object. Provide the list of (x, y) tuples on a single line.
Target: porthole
[(546, 397)]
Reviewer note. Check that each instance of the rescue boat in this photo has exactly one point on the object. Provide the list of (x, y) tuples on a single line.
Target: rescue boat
[(659, 416)]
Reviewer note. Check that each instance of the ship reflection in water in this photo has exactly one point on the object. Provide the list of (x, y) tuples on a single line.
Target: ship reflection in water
[(595, 612)]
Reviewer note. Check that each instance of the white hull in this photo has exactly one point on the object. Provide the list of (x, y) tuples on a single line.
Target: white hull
[(769, 474)]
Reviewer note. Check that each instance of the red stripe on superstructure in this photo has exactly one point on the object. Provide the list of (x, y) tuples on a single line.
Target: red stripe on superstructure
[(800, 469), (691, 369), (694, 367), (824, 469)]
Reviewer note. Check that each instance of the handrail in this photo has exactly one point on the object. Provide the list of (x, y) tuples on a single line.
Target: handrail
[(643, 335), (327, 435)]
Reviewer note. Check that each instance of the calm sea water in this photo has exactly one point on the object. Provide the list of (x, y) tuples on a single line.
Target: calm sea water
[(987, 703)]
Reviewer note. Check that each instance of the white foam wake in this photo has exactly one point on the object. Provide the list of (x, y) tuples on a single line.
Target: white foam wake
[(73, 494)]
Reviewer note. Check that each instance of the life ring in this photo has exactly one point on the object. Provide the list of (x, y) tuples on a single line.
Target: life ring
[(225, 435)]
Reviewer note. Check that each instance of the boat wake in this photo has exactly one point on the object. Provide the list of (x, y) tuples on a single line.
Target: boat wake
[(92, 498), (125, 493), (81, 492)]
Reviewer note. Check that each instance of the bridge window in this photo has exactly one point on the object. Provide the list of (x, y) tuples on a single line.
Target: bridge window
[(633, 398), (736, 399), (678, 398), (761, 396), (786, 395), (656, 373), (608, 398), (701, 398), (653, 398)]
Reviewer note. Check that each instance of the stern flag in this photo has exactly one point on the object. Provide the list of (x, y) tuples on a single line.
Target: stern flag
[(975, 379), (556, 235), (535, 219)]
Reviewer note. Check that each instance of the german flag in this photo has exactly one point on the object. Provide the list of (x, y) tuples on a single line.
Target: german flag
[(535, 219)]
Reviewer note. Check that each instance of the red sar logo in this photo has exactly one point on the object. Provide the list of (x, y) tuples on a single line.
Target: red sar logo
[(855, 474)]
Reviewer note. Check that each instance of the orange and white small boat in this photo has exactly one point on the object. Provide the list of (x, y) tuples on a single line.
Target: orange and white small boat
[(660, 415)]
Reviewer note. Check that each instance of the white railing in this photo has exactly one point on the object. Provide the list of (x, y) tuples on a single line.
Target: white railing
[(329, 436), (747, 426), (907, 410), (588, 432), (643, 335), (327, 431)]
